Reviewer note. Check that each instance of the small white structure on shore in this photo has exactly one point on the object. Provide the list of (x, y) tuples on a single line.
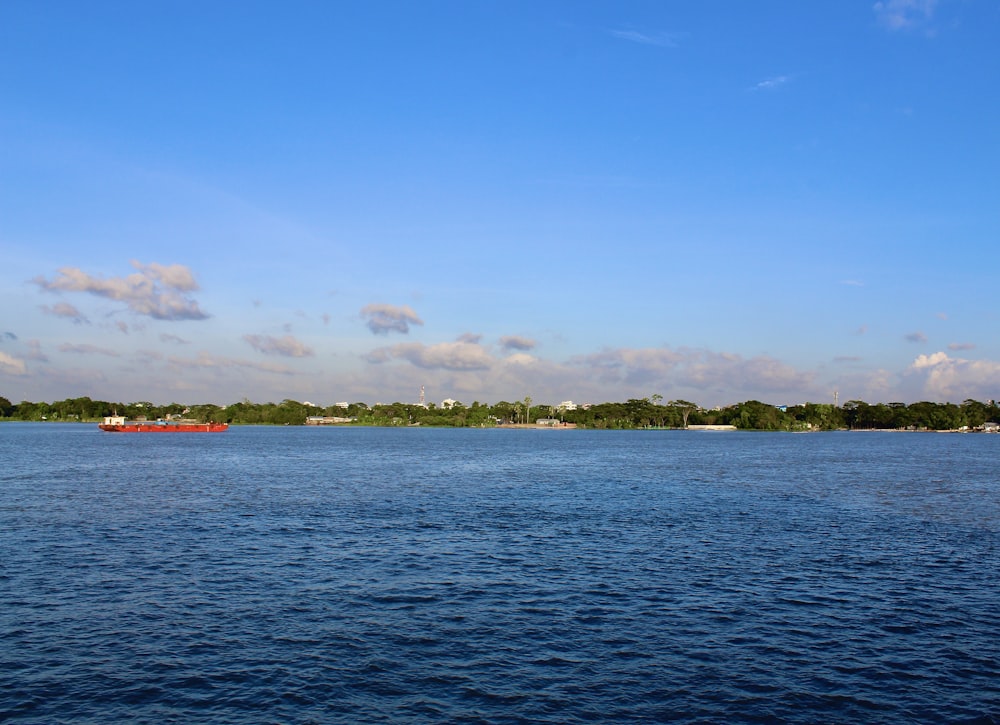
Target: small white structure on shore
[(328, 420)]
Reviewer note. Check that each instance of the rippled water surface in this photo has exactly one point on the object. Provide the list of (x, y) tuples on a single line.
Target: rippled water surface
[(379, 575)]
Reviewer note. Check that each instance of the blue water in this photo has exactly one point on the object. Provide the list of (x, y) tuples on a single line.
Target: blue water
[(301, 575)]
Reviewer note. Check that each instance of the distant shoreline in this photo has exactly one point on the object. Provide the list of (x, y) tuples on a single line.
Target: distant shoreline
[(565, 426)]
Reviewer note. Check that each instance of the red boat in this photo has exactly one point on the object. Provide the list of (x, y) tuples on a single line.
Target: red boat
[(118, 424)]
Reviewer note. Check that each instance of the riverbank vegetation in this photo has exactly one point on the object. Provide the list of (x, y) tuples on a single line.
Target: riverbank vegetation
[(651, 412)]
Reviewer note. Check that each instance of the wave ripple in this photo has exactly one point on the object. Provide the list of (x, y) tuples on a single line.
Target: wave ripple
[(351, 575)]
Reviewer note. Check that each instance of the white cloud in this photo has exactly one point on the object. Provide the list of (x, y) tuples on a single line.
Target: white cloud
[(205, 361), (516, 342), (459, 355), (12, 365), (917, 337), (156, 290), (929, 361), (761, 374), (64, 309), (521, 358), (630, 365), (947, 378), (659, 38), (174, 276), (869, 386), (612, 374), (383, 319), (904, 14), (35, 351), (287, 346), (88, 349), (695, 368), (962, 346), (771, 84)]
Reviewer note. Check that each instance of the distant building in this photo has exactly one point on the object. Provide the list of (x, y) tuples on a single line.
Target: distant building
[(328, 420), (566, 405), (448, 403)]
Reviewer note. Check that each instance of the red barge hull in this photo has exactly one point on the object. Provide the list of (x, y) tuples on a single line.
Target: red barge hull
[(164, 427)]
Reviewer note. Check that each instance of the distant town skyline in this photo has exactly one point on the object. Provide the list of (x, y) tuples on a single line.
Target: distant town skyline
[(595, 201)]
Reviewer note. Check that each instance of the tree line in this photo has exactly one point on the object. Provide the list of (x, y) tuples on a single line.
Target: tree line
[(635, 413)]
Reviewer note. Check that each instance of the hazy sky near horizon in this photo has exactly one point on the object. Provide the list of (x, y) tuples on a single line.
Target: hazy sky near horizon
[(572, 200)]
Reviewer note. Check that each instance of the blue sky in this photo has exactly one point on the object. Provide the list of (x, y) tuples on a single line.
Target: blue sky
[(572, 200)]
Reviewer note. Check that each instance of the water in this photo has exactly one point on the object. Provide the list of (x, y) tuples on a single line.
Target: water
[(301, 575)]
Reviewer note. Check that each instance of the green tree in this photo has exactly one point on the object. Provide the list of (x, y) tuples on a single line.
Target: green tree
[(686, 408), (755, 415), (289, 412), (817, 416), (26, 410), (639, 412), (657, 401), (479, 416), (975, 413), (503, 411), (205, 413)]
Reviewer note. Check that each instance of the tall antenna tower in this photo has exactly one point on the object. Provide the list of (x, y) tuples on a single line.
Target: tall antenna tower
[(421, 395)]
